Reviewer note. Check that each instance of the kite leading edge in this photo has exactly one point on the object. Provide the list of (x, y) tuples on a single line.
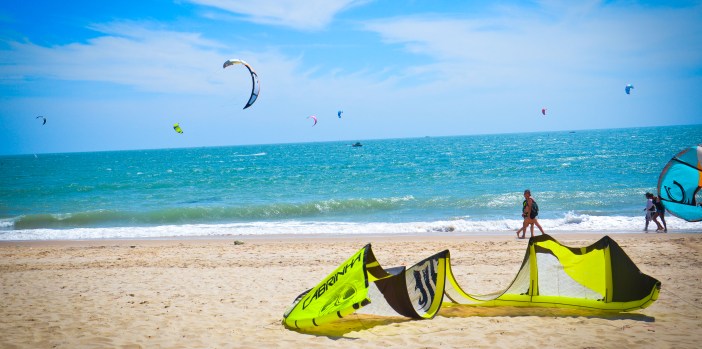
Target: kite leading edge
[(255, 88)]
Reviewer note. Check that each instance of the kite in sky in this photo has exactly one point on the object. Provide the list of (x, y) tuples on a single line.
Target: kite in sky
[(177, 128), (628, 88), (313, 118), (43, 118), (339, 113), (254, 80), (543, 111)]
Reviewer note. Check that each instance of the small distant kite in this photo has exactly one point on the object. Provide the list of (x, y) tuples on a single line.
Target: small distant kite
[(177, 128), (43, 118), (255, 88), (543, 111), (313, 118), (628, 88), (339, 113)]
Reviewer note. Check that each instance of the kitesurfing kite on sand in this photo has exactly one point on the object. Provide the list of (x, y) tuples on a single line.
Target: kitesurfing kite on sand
[(596, 278)]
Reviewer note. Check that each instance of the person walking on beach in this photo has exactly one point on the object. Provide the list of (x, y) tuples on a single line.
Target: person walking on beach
[(650, 212), (530, 210), (660, 212), (525, 224), (527, 221)]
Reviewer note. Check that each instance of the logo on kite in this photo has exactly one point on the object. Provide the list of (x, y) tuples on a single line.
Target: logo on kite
[(177, 128), (543, 111), (254, 80), (679, 184), (339, 113), (313, 118), (43, 118), (628, 88)]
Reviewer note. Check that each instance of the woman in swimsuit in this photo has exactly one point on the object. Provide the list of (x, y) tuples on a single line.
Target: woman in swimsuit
[(529, 215)]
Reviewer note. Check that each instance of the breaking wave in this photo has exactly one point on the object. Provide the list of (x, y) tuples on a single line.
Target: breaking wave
[(295, 227)]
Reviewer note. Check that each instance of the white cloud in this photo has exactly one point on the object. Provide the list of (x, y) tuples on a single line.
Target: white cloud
[(527, 43), (128, 54), (301, 15), (142, 59)]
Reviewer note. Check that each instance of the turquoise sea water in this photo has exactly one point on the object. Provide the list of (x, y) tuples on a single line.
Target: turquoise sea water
[(590, 181)]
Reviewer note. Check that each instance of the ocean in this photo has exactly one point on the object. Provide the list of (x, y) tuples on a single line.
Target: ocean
[(589, 181)]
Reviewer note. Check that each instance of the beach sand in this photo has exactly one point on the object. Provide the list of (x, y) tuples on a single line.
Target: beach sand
[(213, 293)]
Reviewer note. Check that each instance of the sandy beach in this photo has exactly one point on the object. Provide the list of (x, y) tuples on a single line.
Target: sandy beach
[(213, 293)]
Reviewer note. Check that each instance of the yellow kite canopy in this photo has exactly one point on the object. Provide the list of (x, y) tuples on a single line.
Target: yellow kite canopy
[(361, 282), (597, 277), (177, 128)]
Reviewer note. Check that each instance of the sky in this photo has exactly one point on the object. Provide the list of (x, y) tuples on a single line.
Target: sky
[(116, 75)]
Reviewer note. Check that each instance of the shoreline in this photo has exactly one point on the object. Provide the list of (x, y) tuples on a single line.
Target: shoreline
[(568, 235), (611, 225)]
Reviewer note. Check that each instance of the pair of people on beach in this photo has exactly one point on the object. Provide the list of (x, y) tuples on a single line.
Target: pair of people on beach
[(654, 209), (530, 211)]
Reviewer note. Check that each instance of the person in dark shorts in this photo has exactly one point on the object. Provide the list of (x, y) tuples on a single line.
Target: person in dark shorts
[(651, 212), (660, 212), (530, 211)]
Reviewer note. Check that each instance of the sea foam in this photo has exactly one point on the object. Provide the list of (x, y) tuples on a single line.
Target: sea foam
[(569, 223)]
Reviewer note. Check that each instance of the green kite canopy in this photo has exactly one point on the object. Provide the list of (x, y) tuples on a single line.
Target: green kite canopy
[(597, 277), (361, 281)]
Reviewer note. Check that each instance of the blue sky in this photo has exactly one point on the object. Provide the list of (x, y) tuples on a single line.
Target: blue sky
[(113, 75)]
